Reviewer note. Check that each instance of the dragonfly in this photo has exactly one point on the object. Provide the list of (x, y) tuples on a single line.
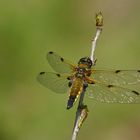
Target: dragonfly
[(106, 86)]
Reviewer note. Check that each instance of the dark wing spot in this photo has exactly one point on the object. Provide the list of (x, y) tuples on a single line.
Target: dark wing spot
[(138, 71), (42, 73), (92, 82), (50, 52), (68, 78), (62, 59), (136, 92), (117, 71), (58, 75), (110, 86)]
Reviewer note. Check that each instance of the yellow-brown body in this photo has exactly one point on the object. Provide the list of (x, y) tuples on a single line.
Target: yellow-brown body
[(79, 80), (75, 90), (77, 87)]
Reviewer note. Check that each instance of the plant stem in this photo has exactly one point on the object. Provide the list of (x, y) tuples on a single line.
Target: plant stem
[(99, 24), (82, 110)]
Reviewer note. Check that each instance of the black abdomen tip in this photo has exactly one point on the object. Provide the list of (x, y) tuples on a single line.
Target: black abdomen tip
[(71, 101), (68, 107)]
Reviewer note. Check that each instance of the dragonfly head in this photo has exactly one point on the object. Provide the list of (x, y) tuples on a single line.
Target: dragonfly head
[(85, 62)]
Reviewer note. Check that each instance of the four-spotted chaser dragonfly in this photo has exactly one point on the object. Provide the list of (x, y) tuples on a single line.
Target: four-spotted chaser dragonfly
[(102, 85)]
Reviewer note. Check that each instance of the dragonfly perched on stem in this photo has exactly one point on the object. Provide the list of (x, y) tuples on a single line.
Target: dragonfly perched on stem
[(105, 86)]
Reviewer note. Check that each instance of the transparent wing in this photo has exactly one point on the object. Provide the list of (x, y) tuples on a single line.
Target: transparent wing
[(59, 64), (117, 77), (55, 82), (112, 94)]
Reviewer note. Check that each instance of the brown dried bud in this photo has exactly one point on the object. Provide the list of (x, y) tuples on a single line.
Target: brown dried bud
[(99, 19)]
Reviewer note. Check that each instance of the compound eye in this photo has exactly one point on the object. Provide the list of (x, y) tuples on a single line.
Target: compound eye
[(89, 62), (83, 60)]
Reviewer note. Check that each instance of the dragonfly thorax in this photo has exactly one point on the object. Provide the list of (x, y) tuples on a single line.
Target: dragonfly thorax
[(85, 62), (80, 73)]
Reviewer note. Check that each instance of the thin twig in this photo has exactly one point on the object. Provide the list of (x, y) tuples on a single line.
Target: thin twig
[(81, 115), (94, 42), (82, 110), (99, 24)]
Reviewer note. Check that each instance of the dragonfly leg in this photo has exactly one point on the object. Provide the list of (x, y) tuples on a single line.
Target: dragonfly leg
[(94, 62), (85, 85)]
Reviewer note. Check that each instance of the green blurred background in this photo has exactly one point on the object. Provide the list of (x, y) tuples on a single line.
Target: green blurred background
[(31, 28)]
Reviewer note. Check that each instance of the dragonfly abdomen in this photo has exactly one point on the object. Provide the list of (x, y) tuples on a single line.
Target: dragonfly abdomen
[(75, 91)]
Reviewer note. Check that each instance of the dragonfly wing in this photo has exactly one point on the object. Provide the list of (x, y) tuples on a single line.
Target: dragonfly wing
[(117, 77), (55, 82), (112, 94), (59, 64)]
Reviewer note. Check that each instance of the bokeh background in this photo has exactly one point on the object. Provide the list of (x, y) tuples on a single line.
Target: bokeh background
[(31, 28)]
